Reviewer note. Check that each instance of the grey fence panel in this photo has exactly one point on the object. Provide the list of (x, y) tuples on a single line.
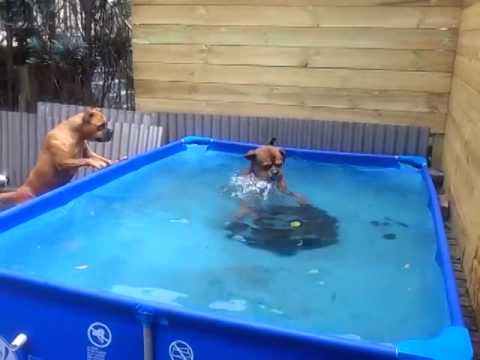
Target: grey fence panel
[(377, 139), (3, 142), (255, 130), (116, 140), (171, 120), (227, 131), (244, 129), (233, 129), (423, 141), (278, 127), (369, 140), (412, 140), (26, 164), (390, 137), (131, 139), (338, 135), (21, 135), (215, 128), (206, 125), (191, 124), (53, 113), (357, 137), (347, 138), (266, 129), (327, 136), (15, 159), (249, 131), (123, 139), (316, 128), (162, 121), (401, 140), (18, 152), (310, 134), (285, 132)]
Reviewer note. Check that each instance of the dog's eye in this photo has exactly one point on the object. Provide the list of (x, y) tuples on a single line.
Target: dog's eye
[(267, 166), (101, 127)]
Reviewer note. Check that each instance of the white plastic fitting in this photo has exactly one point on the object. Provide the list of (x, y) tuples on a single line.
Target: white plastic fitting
[(3, 180), (18, 342)]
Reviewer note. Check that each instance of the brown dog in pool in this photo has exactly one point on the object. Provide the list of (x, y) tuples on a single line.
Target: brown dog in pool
[(283, 229), (266, 163), (265, 173)]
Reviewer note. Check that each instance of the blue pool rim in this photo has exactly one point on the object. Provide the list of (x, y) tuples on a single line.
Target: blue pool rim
[(62, 195)]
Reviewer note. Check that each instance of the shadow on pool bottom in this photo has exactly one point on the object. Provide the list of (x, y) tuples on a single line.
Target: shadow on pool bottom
[(285, 230)]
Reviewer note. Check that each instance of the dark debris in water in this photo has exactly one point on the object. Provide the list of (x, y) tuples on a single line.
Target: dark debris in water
[(395, 222), (333, 297), (390, 236), (287, 229), (387, 222)]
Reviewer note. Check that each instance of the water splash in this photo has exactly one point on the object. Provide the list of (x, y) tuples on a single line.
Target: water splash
[(159, 295), (247, 186), (230, 305)]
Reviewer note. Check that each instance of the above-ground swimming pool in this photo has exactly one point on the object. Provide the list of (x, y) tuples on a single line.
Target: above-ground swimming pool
[(145, 260)]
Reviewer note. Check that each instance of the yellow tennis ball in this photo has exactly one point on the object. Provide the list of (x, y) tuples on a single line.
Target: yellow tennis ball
[(295, 224)]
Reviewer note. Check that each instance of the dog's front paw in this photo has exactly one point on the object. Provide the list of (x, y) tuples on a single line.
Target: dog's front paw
[(97, 164), (123, 158)]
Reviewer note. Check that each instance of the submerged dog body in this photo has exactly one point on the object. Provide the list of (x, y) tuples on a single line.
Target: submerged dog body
[(63, 152)]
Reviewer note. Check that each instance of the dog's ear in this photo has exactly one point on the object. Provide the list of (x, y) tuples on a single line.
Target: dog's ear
[(284, 153), (252, 154), (88, 114)]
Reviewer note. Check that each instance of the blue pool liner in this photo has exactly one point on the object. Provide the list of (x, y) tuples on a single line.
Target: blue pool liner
[(56, 318)]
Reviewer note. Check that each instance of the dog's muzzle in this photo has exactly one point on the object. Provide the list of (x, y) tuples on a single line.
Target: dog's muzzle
[(274, 174), (107, 135)]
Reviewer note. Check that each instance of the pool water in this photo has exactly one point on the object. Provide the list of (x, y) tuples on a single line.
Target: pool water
[(159, 234)]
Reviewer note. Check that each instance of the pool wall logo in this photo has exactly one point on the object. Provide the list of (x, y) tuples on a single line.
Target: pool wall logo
[(180, 350), (99, 335)]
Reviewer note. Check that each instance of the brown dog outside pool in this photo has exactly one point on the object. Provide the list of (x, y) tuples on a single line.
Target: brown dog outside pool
[(64, 151)]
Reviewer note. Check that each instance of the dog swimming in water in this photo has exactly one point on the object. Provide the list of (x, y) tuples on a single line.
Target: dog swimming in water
[(264, 176), (283, 227)]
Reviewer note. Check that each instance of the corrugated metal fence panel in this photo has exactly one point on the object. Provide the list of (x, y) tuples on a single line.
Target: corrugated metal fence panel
[(18, 144), (310, 134), (136, 132), (50, 114), (130, 139), (22, 134)]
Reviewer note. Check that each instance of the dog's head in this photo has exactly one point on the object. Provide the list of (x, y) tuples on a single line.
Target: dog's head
[(267, 162), (94, 126)]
